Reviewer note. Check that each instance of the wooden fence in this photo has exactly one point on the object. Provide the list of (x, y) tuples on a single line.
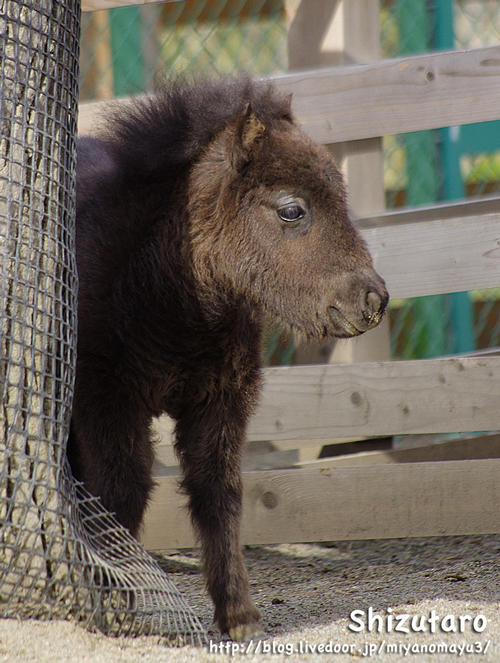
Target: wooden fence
[(441, 249)]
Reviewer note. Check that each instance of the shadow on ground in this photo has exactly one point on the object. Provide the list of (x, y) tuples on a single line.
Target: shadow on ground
[(301, 586)]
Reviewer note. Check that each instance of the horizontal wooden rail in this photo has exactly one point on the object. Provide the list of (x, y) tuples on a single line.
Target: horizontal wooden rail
[(469, 207), (387, 398), (398, 95), (433, 250), (340, 401), (387, 97), (385, 501), (429, 257)]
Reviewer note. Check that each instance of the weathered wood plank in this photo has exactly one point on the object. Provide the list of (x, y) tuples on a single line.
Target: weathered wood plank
[(398, 95), (434, 257), (351, 401), (470, 207), (414, 499), (387, 398), (387, 97)]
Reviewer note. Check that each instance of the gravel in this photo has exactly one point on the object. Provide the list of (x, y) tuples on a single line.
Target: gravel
[(307, 594)]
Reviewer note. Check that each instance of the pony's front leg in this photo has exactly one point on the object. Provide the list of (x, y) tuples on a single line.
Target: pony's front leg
[(209, 441)]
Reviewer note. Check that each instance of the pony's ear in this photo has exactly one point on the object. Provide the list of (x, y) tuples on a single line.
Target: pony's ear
[(250, 129), (246, 137)]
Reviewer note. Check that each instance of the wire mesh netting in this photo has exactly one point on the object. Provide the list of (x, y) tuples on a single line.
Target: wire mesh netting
[(61, 554)]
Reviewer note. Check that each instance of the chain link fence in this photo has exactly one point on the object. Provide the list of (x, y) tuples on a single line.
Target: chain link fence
[(125, 49), (431, 166)]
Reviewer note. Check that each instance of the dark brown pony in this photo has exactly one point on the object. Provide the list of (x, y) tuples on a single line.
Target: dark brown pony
[(199, 211)]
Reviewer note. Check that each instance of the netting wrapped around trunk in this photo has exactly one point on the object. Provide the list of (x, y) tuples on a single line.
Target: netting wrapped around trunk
[(61, 554)]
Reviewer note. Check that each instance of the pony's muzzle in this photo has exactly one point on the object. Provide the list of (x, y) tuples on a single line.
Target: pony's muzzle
[(366, 310)]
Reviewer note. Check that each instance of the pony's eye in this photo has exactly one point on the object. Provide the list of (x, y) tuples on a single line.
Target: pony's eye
[(290, 213)]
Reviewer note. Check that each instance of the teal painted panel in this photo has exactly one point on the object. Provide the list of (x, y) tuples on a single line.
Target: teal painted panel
[(126, 47), (479, 138)]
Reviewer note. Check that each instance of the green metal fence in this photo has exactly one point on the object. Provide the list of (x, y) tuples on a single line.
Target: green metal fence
[(431, 166), (124, 50)]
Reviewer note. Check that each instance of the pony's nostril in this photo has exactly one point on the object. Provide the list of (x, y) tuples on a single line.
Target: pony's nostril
[(374, 307), (373, 302)]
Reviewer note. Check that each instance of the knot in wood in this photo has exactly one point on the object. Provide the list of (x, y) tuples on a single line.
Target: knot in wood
[(270, 500)]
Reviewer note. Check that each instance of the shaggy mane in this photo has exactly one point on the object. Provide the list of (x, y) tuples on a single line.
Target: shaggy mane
[(155, 135)]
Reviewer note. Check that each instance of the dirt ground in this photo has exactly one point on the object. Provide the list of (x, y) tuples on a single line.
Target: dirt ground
[(307, 594)]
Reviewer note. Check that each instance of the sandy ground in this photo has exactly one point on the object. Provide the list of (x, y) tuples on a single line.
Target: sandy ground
[(307, 594)]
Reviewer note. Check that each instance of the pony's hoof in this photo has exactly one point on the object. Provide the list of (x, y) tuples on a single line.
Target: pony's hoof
[(244, 632)]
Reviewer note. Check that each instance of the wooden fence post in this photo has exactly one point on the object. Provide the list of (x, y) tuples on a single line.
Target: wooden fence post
[(336, 32)]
